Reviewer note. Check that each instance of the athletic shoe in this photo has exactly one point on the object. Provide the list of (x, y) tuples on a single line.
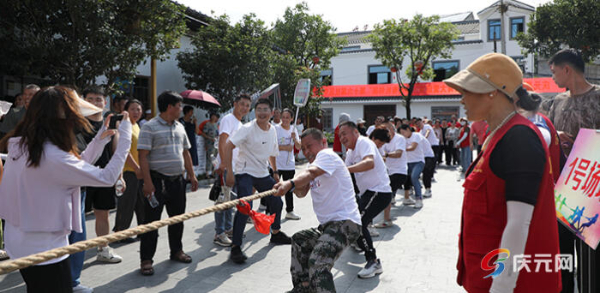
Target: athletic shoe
[(222, 240), (408, 202), (373, 231), (249, 220), (383, 224), (427, 193), (229, 233), (356, 247), (262, 207), (106, 255), (393, 200), (280, 238), (292, 216), (3, 255), (418, 204), (371, 269), (237, 255), (82, 289)]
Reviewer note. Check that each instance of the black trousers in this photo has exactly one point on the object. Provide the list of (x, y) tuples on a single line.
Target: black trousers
[(437, 151), (169, 192), (289, 197), (451, 154), (54, 278), (396, 182), (428, 171), (370, 205)]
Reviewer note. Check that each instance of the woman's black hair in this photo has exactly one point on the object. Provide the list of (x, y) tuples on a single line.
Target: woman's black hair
[(528, 101), (380, 133)]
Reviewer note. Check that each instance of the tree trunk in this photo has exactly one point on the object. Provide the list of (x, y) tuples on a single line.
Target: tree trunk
[(407, 105)]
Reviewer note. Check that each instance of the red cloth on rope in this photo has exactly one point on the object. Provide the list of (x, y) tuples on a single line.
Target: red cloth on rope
[(262, 222)]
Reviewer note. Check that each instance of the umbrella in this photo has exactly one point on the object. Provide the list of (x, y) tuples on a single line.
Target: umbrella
[(200, 98)]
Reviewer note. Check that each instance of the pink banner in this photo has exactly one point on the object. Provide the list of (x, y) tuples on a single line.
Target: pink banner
[(577, 192)]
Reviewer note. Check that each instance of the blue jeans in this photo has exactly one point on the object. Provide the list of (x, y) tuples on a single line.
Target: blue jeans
[(244, 184), (224, 219), (414, 171), (465, 158), (78, 258)]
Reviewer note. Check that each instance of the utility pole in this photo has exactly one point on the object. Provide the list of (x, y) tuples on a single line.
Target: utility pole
[(502, 29)]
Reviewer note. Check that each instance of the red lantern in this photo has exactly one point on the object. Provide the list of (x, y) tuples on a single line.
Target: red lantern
[(316, 60), (393, 69), (419, 66)]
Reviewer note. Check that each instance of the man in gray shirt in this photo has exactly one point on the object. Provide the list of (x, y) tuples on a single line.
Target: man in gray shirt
[(15, 116), (163, 153)]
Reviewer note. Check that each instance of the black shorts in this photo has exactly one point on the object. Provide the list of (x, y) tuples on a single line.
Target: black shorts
[(396, 181), (101, 198)]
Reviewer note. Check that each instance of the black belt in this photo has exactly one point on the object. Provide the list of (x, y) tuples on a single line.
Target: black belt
[(160, 176)]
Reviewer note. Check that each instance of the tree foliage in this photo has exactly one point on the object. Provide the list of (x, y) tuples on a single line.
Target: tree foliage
[(572, 23), (309, 43), (420, 39), (247, 57), (76, 41), (229, 59)]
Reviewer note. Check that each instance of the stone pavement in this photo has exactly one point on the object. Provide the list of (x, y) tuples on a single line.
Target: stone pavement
[(418, 253)]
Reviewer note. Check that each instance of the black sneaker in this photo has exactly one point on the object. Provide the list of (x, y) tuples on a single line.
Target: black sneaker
[(280, 238), (237, 255)]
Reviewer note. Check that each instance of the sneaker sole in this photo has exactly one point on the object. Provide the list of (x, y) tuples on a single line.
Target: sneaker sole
[(378, 272), (222, 244), (108, 260), (290, 218)]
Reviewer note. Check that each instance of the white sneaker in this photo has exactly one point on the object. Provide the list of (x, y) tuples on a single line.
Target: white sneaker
[(419, 204), (393, 200), (82, 289), (427, 193), (262, 207), (356, 247), (371, 269), (373, 231), (408, 202), (106, 255), (292, 216), (222, 240)]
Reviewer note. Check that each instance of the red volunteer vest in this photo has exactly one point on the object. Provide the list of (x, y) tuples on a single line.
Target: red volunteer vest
[(337, 144), (484, 219), (467, 141)]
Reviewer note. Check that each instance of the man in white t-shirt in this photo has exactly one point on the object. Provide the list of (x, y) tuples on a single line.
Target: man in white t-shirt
[(315, 250), (394, 155), (257, 144), (416, 162), (227, 128), (378, 121), (429, 168), (364, 160)]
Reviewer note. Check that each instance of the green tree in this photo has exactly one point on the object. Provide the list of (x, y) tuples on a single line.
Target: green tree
[(421, 40), (76, 41), (572, 23), (308, 43), (229, 59)]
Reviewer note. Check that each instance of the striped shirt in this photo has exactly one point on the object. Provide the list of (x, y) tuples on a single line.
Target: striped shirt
[(166, 144)]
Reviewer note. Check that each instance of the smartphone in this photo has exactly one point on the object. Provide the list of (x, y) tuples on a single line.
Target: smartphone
[(113, 121)]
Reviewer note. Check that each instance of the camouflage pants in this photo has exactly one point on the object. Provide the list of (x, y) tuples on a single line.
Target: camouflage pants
[(315, 250)]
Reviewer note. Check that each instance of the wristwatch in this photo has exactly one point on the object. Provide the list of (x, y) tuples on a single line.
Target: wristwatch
[(293, 186)]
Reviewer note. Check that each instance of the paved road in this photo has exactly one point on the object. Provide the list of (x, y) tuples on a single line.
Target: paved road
[(418, 254)]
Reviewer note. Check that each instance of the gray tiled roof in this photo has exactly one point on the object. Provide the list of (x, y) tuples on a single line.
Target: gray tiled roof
[(355, 37), (467, 27)]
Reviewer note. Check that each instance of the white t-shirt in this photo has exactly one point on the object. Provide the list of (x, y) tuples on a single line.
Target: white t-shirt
[(370, 129), (375, 179), (433, 140), (417, 154), (333, 193), (427, 150), (256, 146), (396, 165), (229, 125), (299, 128), (285, 159)]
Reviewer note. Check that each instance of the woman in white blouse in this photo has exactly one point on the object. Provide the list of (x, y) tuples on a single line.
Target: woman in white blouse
[(43, 174)]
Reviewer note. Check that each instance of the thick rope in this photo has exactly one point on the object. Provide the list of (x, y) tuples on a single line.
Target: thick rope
[(37, 258)]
